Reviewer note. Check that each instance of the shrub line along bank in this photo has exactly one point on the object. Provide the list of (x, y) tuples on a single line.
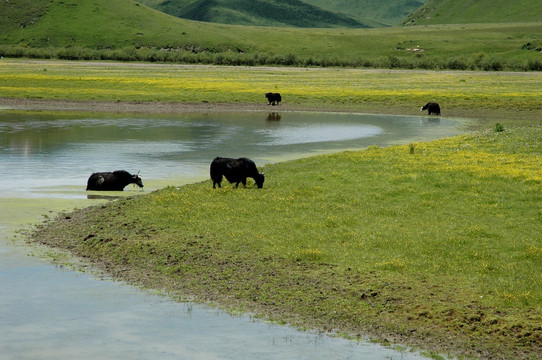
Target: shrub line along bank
[(475, 62)]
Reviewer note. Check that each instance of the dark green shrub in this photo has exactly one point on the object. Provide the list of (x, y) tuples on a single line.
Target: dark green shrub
[(534, 65), (457, 64), (491, 65)]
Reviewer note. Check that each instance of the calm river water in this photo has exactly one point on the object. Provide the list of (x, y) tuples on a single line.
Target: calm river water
[(52, 312)]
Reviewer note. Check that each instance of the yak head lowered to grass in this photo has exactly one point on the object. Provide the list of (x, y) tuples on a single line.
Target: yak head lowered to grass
[(236, 171), (112, 181)]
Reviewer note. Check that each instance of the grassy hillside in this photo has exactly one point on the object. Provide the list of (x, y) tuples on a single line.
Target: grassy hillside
[(294, 13), (20, 14), (479, 11), (102, 24), (389, 12), (126, 30)]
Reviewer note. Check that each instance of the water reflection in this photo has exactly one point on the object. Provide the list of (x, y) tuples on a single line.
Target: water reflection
[(430, 121), (48, 312), (273, 117), (308, 133)]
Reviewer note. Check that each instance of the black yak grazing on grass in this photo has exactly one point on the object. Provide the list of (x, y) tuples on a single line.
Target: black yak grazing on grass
[(274, 98), (236, 171), (112, 181), (432, 108)]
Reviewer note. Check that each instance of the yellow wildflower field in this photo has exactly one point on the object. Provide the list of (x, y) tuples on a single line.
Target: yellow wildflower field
[(219, 84)]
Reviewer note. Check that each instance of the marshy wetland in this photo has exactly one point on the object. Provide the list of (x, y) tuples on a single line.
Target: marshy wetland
[(430, 244), (57, 312)]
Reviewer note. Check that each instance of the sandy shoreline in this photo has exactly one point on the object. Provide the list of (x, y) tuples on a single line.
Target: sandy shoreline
[(142, 107), (158, 107)]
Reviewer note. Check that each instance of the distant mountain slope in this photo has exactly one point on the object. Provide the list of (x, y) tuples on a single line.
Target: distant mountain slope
[(389, 12), (476, 11), (104, 24), (291, 13), (125, 30)]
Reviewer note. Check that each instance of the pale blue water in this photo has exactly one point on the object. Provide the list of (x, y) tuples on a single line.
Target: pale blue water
[(49, 312)]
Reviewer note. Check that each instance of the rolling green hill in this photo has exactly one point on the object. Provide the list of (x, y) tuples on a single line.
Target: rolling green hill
[(129, 31), (103, 24), (293, 13), (20, 14), (389, 12), (478, 11), (304, 13)]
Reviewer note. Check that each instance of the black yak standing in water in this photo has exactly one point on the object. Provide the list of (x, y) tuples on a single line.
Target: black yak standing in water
[(274, 98), (432, 108), (112, 181), (236, 171)]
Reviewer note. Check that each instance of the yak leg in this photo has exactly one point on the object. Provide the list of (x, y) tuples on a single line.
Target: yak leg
[(217, 181)]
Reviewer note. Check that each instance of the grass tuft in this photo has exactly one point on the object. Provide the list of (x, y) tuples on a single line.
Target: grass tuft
[(498, 127)]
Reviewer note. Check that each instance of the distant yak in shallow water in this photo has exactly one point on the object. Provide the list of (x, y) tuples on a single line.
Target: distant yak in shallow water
[(236, 171), (432, 108), (273, 98), (112, 181)]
